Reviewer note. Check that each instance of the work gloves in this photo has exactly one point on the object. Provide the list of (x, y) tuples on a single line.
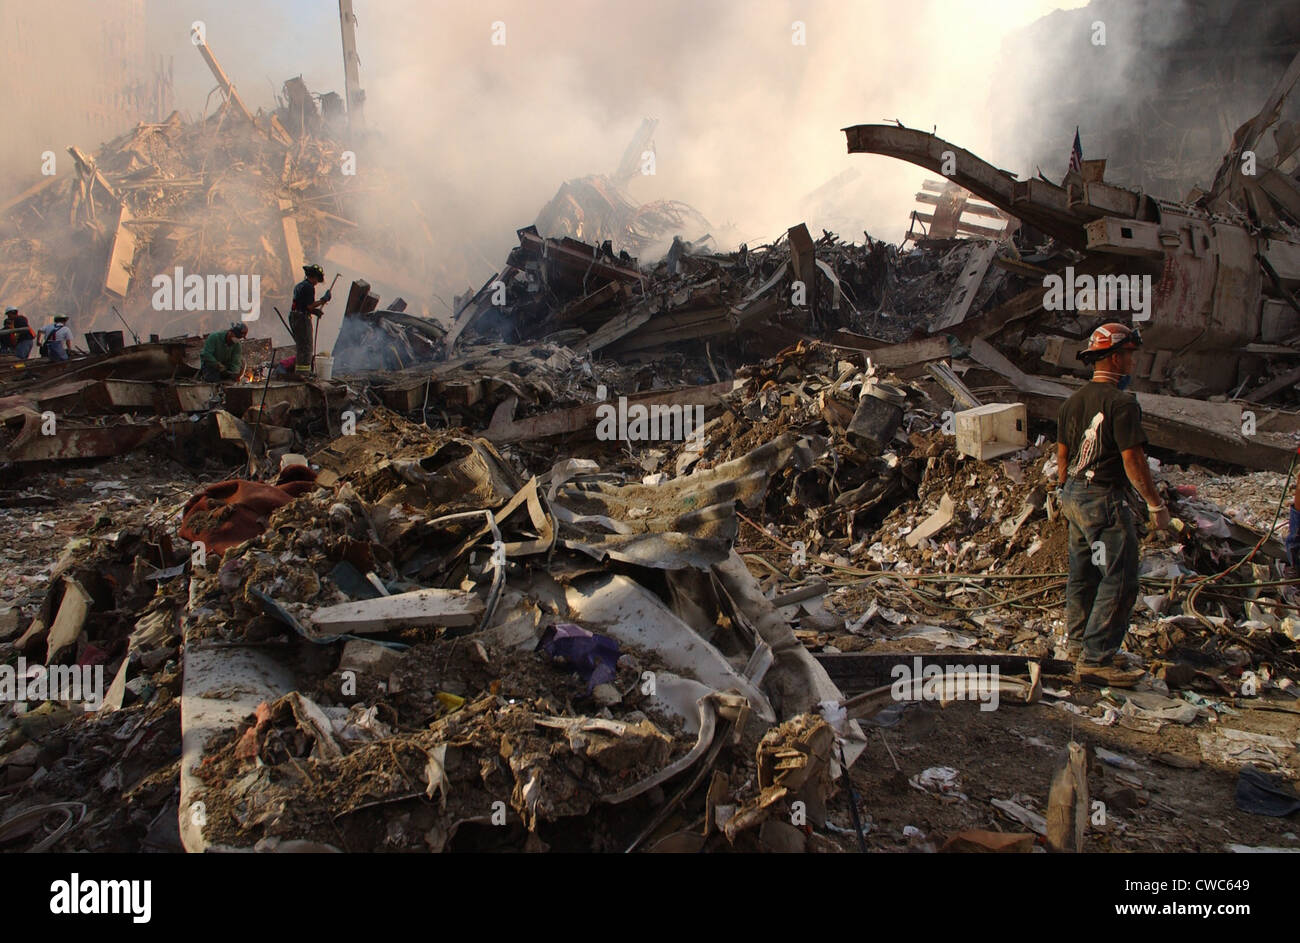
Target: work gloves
[(1159, 517), (327, 296)]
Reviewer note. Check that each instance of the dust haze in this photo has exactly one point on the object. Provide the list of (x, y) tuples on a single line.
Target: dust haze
[(1157, 88), (749, 121)]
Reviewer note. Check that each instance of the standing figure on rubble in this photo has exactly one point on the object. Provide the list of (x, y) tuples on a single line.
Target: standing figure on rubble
[(17, 337), (55, 339), (222, 357), (1098, 452), (305, 306)]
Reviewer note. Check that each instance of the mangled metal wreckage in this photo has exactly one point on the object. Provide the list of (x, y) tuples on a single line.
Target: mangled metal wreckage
[(1212, 283), (1223, 269), (439, 575)]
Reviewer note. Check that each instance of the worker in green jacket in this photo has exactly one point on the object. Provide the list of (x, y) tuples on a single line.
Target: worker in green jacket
[(222, 358)]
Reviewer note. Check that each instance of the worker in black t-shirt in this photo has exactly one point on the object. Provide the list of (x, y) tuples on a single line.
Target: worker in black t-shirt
[(305, 307), (1098, 453)]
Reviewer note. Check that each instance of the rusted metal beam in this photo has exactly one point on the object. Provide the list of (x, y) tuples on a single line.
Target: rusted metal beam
[(86, 165), (504, 429), (896, 355), (575, 255), (351, 63), (1041, 204), (576, 309), (855, 672), (223, 80), (36, 439), (803, 262), (241, 396), (974, 209), (232, 96)]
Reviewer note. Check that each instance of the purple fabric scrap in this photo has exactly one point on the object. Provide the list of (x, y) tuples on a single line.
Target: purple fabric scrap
[(594, 657)]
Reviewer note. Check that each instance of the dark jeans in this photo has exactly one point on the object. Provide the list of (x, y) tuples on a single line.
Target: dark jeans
[(1293, 538), (300, 324), (210, 374), (1099, 596)]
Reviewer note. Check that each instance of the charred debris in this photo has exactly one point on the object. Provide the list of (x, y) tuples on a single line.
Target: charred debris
[(621, 556)]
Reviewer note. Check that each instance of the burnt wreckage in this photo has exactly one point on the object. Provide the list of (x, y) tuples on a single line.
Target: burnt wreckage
[(1224, 267)]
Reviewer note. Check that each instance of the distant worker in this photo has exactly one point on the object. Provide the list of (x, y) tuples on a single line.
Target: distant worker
[(222, 357), (1099, 446), (305, 306), (7, 332), (55, 339), (17, 337)]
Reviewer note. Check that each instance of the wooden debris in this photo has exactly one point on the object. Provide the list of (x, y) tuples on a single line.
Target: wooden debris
[(1068, 808)]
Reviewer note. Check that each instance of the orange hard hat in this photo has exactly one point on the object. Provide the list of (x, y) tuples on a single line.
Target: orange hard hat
[(1110, 337)]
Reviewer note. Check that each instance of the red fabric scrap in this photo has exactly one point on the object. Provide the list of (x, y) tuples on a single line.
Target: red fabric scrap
[(230, 512)]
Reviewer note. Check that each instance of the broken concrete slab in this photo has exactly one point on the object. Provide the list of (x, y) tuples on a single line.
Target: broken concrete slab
[(934, 523), (369, 657), (418, 608)]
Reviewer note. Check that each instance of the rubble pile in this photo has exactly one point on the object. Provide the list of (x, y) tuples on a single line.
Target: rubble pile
[(749, 302), (352, 729), (595, 208), (561, 645), (623, 556), (887, 518), (107, 606), (148, 396), (467, 390), (186, 199), (598, 208)]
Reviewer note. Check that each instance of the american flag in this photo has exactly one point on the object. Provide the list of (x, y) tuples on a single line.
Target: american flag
[(1076, 153)]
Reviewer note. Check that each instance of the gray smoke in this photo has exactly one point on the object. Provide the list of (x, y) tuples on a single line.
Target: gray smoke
[(749, 122)]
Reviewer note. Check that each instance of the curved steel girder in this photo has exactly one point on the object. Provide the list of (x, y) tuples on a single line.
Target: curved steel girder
[(1036, 202)]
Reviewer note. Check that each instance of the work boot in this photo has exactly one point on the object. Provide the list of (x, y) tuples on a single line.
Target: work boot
[(1110, 673)]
